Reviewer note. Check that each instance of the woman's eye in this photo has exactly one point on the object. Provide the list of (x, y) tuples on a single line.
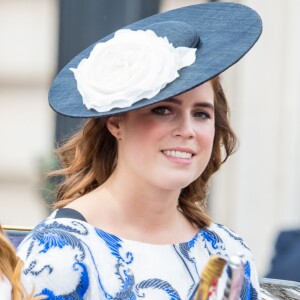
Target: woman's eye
[(202, 115), (161, 111)]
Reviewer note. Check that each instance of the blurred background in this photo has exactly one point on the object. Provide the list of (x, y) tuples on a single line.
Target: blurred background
[(256, 193)]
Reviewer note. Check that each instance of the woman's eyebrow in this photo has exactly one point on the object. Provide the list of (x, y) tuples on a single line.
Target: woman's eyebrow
[(198, 104), (205, 104)]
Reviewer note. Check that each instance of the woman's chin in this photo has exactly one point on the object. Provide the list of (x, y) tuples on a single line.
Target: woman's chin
[(174, 185)]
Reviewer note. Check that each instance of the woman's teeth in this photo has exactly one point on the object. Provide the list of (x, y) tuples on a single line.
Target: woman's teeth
[(178, 154)]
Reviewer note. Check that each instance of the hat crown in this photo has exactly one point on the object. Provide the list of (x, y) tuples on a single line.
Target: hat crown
[(180, 34)]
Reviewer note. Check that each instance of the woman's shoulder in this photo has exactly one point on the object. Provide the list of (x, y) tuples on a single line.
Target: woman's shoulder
[(220, 239), (227, 234), (54, 232), (54, 239), (55, 257)]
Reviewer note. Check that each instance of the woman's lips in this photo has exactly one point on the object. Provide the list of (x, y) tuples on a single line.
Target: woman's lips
[(178, 154), (181, 156)]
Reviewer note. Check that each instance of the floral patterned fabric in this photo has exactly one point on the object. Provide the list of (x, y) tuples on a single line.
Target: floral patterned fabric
[(66, 258)]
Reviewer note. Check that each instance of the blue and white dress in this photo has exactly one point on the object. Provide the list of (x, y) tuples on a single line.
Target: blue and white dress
[(67, 258)]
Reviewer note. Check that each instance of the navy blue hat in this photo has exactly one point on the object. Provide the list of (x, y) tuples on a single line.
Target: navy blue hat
[(222, 33)]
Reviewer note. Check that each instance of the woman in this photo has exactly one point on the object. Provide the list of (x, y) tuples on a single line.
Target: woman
[(10, 269), (11, 287), (130, 218)]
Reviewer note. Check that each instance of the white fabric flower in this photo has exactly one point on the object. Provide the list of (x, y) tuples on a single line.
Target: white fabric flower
[(131, 66)]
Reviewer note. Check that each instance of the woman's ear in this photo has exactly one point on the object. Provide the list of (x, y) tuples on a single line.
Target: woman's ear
[(113, 125)]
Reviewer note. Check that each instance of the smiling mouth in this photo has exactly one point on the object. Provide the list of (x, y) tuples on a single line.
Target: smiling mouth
[(178, 154)]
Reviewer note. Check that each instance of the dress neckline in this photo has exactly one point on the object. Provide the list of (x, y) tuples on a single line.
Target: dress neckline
[(69, 213)]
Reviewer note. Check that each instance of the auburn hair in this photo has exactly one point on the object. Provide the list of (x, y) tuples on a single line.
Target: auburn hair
[(89, 157)]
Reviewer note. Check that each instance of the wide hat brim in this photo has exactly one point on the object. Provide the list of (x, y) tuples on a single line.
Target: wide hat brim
[(222, 32)]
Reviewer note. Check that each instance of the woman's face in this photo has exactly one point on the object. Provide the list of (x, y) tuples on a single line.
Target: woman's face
[(168, 144)]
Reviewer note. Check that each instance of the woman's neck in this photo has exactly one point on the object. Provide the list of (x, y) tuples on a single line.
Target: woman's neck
[(135, 210), (141, 203)]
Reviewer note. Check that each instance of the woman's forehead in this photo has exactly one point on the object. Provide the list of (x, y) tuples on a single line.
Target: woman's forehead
[(203, 92)]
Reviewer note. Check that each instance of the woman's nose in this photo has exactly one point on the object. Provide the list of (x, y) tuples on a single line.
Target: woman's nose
[(184, 127)]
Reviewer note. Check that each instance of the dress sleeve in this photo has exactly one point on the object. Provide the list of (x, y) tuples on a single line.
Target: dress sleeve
[(236, 245), (251, 288), (54, 259)]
